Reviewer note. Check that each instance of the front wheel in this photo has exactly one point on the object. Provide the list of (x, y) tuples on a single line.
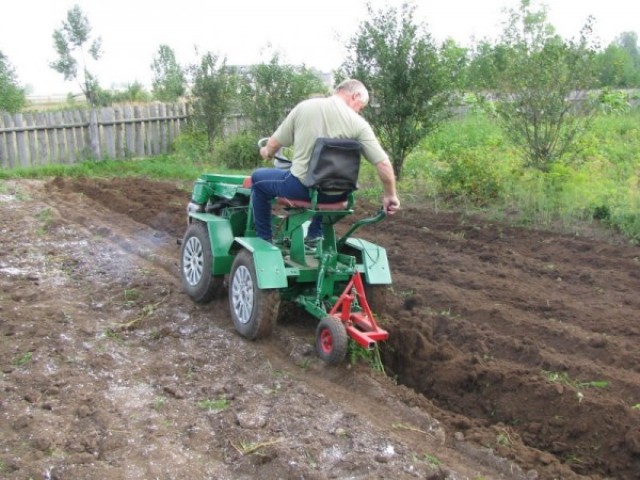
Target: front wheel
[(254, 311), (331, 340), (196, 260)]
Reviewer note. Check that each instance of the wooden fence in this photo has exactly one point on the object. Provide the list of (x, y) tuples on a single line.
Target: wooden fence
[(36, 139)]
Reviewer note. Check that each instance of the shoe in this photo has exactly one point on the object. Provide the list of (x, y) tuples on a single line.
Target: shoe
[(310, 243)]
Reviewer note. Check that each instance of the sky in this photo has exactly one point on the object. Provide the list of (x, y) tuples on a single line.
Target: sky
[(250, 31)]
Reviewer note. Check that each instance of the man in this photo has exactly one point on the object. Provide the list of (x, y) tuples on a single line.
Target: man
[(336, 116)]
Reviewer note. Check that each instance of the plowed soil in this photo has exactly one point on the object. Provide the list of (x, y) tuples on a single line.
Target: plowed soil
[(513, 353)]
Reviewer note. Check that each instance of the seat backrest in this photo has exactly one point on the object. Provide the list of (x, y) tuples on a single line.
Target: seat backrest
[(334, 165)]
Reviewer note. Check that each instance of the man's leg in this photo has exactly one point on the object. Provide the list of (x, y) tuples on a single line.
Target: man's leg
[(315, 228), (266, 184)]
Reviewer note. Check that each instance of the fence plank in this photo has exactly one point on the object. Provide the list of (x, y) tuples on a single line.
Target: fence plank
[(44, 156), (21, 141), (139, 127), (94, 135), (162, 129), (109, 138), (9, 138), (4, 157), (60, 140), (80, 120), (32, 140), (69, 137), (153, 129), (51, 137), (130, 132)]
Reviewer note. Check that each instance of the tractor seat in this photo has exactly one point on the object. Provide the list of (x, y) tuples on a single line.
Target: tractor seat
[(291, 203)]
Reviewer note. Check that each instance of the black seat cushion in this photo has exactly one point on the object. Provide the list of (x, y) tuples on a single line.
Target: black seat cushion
[(334, 165)]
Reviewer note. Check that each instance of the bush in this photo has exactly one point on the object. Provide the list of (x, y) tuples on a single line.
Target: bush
[(239, 152), (192, 147)]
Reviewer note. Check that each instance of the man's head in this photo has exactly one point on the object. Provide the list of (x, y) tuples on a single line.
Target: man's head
[(354, 93)]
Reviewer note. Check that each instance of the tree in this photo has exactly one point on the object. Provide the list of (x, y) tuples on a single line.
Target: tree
[(541, 85), (269, 91), (12, 96), (619, 64), (168, 82), (70, 42), (409, 85), (213, 94)]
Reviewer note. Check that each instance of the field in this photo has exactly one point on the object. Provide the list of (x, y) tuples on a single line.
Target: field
[(513, 353)]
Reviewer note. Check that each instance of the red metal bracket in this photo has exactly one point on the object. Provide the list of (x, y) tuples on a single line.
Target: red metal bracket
[(360, 325)]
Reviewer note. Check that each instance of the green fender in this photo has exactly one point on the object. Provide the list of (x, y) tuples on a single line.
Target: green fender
[(374, 261), (221, 238), (268, 261)]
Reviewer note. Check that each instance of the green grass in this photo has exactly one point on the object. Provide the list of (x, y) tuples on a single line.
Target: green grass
[(214, 405), (469, 164)]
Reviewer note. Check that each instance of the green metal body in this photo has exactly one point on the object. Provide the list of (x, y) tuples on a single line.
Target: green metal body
[(313, 279)]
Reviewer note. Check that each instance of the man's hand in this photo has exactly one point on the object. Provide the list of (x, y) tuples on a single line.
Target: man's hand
[(270, 148), (264, 153), (390, 204)]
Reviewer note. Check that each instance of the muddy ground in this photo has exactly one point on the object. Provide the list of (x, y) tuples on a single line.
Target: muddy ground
[(512, 354)]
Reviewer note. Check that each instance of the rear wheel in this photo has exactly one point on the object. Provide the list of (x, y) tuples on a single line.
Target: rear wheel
[(196, 260), (331, 340), (254, 311)]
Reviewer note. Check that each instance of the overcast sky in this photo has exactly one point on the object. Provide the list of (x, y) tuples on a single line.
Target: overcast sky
[(248, 31)]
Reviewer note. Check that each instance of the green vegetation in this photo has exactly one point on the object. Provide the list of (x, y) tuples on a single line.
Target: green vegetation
[(74, 46), (168, 76), (410, 86), (563, 378), (217, 405), (12, 96), (356, 353), (23, 359), (467, 164)]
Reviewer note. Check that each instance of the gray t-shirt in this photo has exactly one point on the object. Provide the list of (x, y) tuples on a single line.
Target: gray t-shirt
[(328, 117)]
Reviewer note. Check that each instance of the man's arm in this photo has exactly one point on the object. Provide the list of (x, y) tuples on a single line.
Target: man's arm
[(390, 200), (269, 150)]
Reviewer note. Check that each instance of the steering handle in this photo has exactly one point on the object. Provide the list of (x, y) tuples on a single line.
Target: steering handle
[(279, 158)]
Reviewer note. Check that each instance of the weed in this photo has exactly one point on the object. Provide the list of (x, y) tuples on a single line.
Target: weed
[(131, 295), (305, 364), (159, 402), (563, 379), (45, 217), (503, 439), (112, 335), (431, 459), (636, 406), (23, 359), (217, 405), (356, 352), (313, 463), (245, 448)]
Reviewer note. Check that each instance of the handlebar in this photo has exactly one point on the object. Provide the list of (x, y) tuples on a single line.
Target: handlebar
[(378, 217), (279, 158)]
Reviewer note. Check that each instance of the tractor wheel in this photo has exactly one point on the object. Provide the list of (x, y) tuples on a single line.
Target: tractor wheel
[(254, 311), (196, 260), (331, 340)]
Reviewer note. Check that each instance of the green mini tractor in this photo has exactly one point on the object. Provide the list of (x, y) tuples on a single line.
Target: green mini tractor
[(221, 255)]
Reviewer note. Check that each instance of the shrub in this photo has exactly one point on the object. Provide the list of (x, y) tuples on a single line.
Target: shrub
[(239, 152)]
